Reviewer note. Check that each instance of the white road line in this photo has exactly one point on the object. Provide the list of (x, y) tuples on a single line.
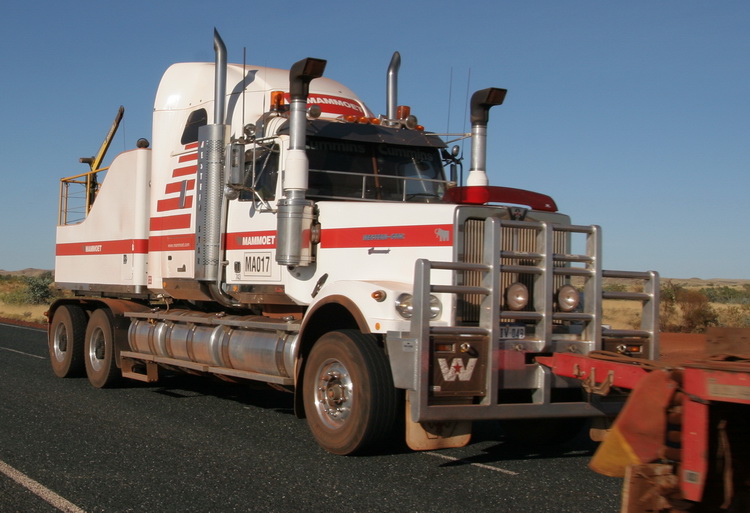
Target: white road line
[(480, 465), (21, 327), (21, 352), (39, 490)]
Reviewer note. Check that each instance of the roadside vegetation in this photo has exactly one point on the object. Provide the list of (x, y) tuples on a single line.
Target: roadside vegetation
[(26, 297), (689, 306)]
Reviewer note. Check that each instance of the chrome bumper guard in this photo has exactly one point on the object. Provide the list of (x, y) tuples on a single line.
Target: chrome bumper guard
[(410, 352)]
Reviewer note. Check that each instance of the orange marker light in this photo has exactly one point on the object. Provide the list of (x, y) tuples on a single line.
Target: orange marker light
[(277, 100)]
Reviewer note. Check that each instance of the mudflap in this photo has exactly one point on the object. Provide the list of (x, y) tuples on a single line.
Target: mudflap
[(429, 436), (637, 435)]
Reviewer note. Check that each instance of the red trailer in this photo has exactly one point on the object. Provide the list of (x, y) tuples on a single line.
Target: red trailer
[(681, 441)]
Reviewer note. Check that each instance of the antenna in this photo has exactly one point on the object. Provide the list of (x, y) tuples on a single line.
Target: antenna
[(450, 96), (466, 107)]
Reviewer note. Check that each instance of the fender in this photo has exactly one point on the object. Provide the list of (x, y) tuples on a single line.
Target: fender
[(340, 305)]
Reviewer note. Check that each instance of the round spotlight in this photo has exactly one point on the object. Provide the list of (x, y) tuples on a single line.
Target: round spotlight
[(404, 305), (568, 298), (517, 296), (436, 307), (314, 111)]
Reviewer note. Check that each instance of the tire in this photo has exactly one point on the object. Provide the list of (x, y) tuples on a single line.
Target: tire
[(99, 350), (349, 398), (66, 339)]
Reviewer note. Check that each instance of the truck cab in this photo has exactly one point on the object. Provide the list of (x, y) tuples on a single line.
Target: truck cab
[(278, 231)]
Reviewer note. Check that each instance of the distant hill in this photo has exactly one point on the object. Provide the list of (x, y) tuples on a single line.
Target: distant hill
[(691, 283), (25, 272), (716, 282)]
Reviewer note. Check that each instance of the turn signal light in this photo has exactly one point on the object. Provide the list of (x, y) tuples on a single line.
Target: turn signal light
[(629, 349)]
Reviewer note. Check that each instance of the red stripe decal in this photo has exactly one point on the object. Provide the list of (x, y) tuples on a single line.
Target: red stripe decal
[(191, 146), (184, 171), (388, 236), (188, 157), (173, 204), (106, 247), (170, 222), (177, 186), (251, 240), (172, 242)]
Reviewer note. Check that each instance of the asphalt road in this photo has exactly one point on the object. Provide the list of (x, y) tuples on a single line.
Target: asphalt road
[(196, 445)]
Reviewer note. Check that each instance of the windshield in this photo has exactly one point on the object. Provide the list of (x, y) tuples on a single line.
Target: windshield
[(345, 169)]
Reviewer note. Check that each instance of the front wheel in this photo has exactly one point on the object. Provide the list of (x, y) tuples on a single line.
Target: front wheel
[(349, 397), (99, 351)]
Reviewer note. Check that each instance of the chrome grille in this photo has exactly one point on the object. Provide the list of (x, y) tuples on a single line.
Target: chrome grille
[(513, 239)]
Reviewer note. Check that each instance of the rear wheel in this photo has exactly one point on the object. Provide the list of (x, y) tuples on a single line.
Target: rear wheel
[(99, 350), (349, 398), (66, 339)]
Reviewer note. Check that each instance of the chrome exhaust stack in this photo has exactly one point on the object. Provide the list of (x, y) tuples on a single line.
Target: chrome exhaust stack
[(220, 79), (295, 212), (391, 98), (212, 140), (481, 103)]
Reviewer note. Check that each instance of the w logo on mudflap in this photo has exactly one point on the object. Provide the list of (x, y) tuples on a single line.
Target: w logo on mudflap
[(457, 369)]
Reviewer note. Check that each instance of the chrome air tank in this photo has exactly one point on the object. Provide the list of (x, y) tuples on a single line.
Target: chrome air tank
[(227, 342)]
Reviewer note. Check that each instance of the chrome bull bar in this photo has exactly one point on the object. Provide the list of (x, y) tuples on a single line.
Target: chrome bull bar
[(411, 352)]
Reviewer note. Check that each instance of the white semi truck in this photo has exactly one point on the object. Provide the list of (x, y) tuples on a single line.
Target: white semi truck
[(278, 231)]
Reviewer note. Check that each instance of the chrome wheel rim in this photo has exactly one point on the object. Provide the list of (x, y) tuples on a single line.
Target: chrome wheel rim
[(334, 394), (60, 342), (97, 349)]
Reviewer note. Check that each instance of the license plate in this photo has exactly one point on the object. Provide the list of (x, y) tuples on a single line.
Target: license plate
[(513, 332)]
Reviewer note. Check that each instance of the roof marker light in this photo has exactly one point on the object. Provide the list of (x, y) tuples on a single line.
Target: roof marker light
[(277, 100)]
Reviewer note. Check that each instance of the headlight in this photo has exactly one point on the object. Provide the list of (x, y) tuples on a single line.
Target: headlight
[(568, 298), (517, 296), (405, 306)]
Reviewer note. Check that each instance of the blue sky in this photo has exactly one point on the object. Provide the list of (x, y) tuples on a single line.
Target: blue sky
[(632, 115)]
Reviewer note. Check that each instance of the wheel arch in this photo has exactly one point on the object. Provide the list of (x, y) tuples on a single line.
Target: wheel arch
[(335, 312)]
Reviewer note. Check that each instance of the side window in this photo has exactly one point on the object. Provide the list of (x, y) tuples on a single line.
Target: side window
[(262, 173), (197, 119)]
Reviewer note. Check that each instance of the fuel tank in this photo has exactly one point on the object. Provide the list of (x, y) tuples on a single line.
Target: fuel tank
[(234, 343)]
